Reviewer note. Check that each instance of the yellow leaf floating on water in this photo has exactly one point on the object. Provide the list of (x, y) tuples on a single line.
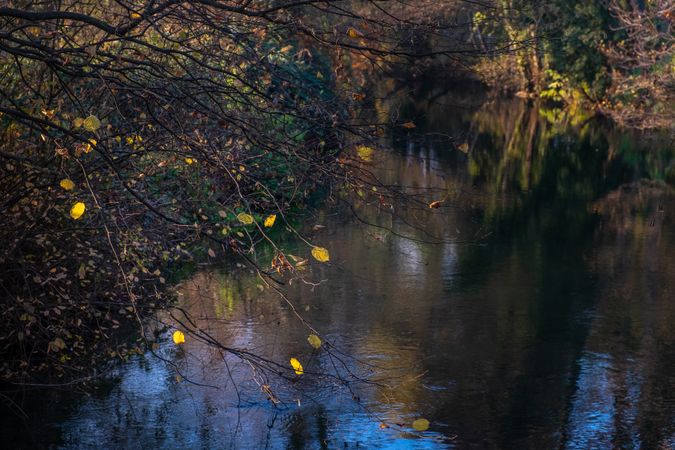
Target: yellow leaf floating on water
[(320, 254), (77, 210), (297, 366), (314, 340), (269, 221), (91, 123), (189, 161), (245, 218), (67, 184), (421, 425), (365, 153), (178, 337)]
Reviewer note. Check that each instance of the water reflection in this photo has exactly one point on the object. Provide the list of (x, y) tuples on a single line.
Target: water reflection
[(541, 317)]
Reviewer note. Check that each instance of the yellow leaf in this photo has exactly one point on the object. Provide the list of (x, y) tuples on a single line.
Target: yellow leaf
[(409, 125), (189, 161), (297, 366), (135, 16), (91, 123), (464, 147), (67, 184), (421, 425), (269, 221), (286, 49), (436, 204), (178, 337), (314, 340), (353, 33), (77, 210), (365, 153), (320, 254), (244, 218)]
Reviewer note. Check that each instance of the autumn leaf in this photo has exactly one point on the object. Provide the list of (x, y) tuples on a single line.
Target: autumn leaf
[(77, 122), (189, 161), (320, 254), (297, 366), (77, 210), (314, 341), (464, 147), (421, 425), (211, 253), (269, 221), (67, 184), (245, 218), (436, 204), (91, 123), (135, 16), (409, 125), (352, 33), (178, 337), (365, 153)]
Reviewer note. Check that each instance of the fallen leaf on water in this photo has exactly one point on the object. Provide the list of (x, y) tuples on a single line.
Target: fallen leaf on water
[(77, 210), (269, 221), (421, 425), (178, 337), (297, 366), (314, 341), (320, 254)]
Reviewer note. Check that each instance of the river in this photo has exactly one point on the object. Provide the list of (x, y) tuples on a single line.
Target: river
[(533, 309)]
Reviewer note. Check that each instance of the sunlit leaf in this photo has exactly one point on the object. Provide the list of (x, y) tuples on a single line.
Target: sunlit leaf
[(314, 340), (67, 184), (269, 220), (178, 337), (464, 147), (421, 425), (77, 210), (436, 204), (77, 122), (365, 153), (297, 366), (409, 125), (91, 123), (189, 161), (352, 33), (245, 218), (135, 16), (320, 254)]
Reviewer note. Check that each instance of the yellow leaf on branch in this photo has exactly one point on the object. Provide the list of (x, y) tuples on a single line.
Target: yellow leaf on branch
[(178, 337), (297, 366), (314, 341), (245, 218), (320, 254), (91, 123), (269, 221), (77, 210), (67, 184)]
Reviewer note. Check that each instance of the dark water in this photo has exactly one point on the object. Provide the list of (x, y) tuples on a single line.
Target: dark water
[(533, 309)]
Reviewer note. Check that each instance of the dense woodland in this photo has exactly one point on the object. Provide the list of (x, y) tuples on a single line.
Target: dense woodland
[(141, 136)]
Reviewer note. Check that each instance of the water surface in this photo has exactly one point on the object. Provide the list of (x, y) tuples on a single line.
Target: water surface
[(533, 309)]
